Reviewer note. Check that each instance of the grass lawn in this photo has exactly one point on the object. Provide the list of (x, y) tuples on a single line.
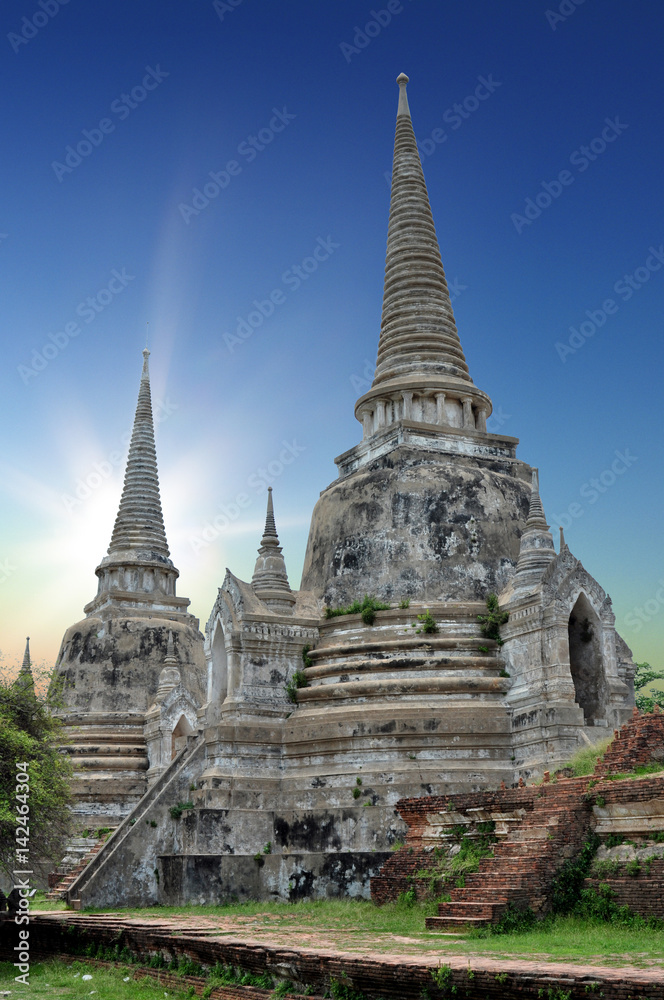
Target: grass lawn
[(56, 979), (355, 925)]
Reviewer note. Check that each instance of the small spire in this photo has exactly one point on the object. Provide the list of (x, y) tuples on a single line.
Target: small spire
[(25, 678), (170, 651), (536, 518), (536, 549), (270, 579), (403, 108), (563, 543), (270, 526), (169, 677)]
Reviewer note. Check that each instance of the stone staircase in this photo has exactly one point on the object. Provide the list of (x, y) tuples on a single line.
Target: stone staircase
[(82, 848), (521, 871)]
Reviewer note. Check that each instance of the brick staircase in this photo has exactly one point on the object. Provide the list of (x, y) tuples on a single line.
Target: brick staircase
[(67, 872), (521, 871)]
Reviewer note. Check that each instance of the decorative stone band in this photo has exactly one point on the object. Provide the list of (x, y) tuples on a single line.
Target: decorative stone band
[(442, 404)]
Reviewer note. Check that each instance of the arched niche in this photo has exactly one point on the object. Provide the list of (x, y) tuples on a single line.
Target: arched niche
[(584, 632), (179, 735)]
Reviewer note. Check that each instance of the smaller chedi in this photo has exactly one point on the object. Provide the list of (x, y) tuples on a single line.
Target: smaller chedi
[(133, 670)]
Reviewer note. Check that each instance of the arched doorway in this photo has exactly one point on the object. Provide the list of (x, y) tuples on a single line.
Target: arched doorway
[(585, 660), (179, 736)]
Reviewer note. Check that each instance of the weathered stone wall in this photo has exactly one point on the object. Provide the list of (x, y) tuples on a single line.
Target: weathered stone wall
[(415, 524)]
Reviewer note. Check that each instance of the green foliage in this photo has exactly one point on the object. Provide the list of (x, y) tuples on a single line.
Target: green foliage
[(633, 867), (501, 978), (614, 840), (513, 921), (605, 867), (367, 608), (259, 859), (30, 734), (427, 623), (306, 659), (644, 676), (443, 979), (568, 883), (405, 603), (482, 649), (600, 801), (176, 811), (583, 762), (268, 848), (356, 793), (493, 619), (343, 991), (445, 870), (297, 681)]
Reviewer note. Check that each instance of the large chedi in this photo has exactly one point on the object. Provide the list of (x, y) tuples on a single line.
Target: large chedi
[(110, 663), (430, 505), (316, 723)]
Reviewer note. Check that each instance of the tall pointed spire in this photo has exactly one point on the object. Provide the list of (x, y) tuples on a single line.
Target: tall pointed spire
[(140, 523), (536, 547), (137, 572), (25, 678), (421, 372), (270, 579), (418, 331)]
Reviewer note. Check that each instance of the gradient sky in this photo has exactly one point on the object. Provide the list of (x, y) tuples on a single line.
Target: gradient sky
[(162, 94)]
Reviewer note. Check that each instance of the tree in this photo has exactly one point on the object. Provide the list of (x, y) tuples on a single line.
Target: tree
[(646, 675), (30, 735)]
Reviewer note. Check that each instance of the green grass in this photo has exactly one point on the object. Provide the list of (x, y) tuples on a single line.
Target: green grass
[(584, 761), (59, 979), (40, 902)]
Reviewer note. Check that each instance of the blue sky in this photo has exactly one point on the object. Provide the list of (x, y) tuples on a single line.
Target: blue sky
[(542, 146)]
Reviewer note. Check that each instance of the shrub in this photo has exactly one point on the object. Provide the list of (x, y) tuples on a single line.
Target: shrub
[(176, 811), (298, 680), (427, 623), (493, 619)]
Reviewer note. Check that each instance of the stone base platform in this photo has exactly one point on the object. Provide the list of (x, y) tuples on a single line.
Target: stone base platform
[(399, 975)]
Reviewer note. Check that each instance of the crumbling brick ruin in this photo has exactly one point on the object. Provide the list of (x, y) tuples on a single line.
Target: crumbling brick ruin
[(537, 828)]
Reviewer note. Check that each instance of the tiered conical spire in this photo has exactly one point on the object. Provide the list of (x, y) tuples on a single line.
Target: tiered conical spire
[(421, 372), (140, 522), (25, 678), (418, 331), (270, 579), (137, 572), (536, 548)]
